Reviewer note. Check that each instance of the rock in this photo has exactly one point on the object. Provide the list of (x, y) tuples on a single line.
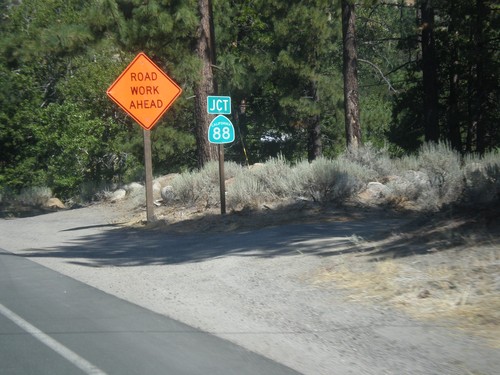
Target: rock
[(424, 294), (256, 166), (118, 195), (55, 204), (375, 193), (134, 190), (133, 187), (165, 180), (378, 190)]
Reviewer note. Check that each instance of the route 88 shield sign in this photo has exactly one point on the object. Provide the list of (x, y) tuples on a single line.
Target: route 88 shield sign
[(221, 130)]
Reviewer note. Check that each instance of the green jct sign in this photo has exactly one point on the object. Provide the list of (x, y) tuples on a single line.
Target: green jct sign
[(219, 105)]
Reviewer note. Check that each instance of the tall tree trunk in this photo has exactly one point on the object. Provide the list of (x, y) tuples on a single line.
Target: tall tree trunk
[(429, 71), (350, 72), (480, 97), (205, 49), (453, 111), (315, 146), (454, 131)]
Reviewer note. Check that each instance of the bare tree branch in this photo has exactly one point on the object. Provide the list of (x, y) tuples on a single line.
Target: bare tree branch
[(380, 72)]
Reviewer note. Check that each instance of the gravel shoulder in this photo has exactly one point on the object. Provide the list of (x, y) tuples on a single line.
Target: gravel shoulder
[(282, 290)]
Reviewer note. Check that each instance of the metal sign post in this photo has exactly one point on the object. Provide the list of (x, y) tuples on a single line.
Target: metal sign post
[(220, 131), (222, 180)]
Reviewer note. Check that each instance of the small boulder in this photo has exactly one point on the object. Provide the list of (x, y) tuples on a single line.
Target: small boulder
[(135, 190), (424, 294), (375, 193), (165, 180), (134, 187), (378, 190), (118, 195), (54, 204), (256, 166)]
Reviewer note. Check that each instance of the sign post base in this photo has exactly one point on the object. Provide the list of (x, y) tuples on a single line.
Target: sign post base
[(222, 180), (150, 215)]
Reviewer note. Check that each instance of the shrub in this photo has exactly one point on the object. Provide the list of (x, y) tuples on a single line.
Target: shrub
[(432, 178), (482, 178), (202, 187), (375, 161), (34, 196), (327, 180), (443, 166), (6, 195), (413, 186), (270, 181), (231, 169), (192, 188), (245, 191), (275, 178)]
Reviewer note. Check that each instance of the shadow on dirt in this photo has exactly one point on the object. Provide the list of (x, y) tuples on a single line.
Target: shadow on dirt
[(374, 233), (452, 229), (21, 211), (131, 246)]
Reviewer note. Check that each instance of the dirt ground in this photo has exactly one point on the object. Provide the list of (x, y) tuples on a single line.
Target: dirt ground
[(443, 265)]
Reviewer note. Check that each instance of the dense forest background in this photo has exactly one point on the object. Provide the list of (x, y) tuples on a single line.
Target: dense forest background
[(301, 74)]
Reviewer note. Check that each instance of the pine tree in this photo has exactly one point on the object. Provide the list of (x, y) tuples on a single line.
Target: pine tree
[(280, 61), (429, 72), (350, 72), (205, 85)]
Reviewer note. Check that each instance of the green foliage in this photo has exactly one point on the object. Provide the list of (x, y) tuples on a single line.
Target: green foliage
[(279, 60), (468, 75), (291, 83)]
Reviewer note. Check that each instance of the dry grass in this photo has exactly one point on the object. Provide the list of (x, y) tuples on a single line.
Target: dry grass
[(452, 275)]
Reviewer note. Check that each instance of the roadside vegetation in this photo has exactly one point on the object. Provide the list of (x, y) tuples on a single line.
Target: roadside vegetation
[(434, 178)]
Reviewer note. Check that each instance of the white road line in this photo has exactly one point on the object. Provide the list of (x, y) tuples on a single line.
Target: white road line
[(56, 346)]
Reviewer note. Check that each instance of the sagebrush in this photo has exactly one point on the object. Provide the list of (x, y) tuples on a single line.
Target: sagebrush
[(435, 177)]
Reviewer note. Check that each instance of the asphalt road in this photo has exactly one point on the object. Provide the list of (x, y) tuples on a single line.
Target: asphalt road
[(53, 324), (254, 288)]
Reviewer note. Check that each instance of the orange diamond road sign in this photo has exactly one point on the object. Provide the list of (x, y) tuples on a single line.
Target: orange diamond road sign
[(144, 91)]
